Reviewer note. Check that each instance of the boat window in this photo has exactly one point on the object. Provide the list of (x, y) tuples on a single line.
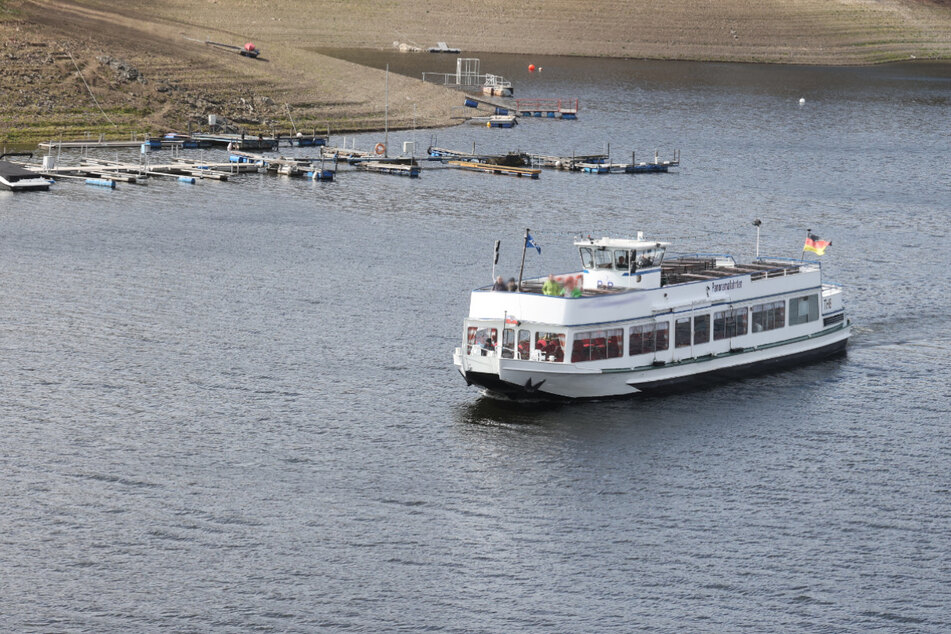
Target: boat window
[(595, 345), (551, 346), (622, 261), (701, 329), (508, 343), (587, 259), (524, 344), (602, 259), (729, 323), (481, 341), (649, 258), (682, 332), (803, 309), (648, 338), (769, 316)]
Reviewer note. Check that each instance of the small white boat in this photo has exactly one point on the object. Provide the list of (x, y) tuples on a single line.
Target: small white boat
[(643, 323), (19, 179)]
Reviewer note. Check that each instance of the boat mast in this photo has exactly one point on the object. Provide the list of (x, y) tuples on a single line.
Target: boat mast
[(757, 223), (386, 114), (521, 269)]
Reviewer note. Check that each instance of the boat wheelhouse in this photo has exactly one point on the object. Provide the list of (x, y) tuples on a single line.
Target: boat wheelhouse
[(643, 322)]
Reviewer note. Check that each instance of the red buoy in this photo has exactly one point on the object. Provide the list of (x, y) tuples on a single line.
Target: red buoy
[(531, 68)]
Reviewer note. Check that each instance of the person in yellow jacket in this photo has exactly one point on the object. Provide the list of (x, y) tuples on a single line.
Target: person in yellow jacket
[(551, 287)]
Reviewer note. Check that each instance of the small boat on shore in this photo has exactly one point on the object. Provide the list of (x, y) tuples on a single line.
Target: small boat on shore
[(19, 179), (642, 323)]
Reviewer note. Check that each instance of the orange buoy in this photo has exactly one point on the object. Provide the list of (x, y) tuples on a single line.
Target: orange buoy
[(379, 148), (531, 68)]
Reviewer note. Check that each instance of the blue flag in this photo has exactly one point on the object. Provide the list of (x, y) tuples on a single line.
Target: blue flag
[(530, 243)]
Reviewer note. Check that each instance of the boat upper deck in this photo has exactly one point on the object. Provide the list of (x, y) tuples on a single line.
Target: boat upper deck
[(684, 269), (687, 269)]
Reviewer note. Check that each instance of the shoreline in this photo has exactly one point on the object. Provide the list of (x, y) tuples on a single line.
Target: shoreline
[(84, 66)]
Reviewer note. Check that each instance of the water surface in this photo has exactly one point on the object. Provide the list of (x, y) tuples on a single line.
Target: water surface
[(231, 406)]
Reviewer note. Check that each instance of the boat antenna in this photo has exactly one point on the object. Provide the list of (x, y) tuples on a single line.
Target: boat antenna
[(522, 267), (757, 223), (495, 260)]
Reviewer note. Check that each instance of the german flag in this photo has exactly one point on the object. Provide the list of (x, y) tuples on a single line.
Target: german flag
[(815, 244)]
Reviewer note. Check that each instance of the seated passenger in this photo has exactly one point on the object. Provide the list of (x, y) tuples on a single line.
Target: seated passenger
[(499, 284), (512, 285), (570, 289), (551, 286)]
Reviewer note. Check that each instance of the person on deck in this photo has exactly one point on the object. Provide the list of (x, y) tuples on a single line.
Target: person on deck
[(499, 284), (570, 289), (512, 285), (551, 286)]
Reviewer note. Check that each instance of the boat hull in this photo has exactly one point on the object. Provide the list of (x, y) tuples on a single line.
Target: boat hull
[(526, 380)]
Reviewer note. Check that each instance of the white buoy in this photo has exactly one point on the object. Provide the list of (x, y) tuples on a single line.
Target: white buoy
[(802, 100)]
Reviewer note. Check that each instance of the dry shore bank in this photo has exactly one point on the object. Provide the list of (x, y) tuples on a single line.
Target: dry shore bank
[(145, 74)]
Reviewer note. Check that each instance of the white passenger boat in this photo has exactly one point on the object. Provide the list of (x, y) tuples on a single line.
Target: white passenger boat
[(644, 323)]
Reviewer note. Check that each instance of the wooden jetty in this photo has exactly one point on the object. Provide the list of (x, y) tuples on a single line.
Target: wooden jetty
[(490, 168), (403, 167), (548, 108)]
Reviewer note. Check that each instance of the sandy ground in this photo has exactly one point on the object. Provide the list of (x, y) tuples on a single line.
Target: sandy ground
[(144, 74)]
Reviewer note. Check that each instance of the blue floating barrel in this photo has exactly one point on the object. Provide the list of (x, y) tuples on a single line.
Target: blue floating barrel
[(101, 182), (569, 115), (551, 115), (502, 111), (471, 103), (187, 179)]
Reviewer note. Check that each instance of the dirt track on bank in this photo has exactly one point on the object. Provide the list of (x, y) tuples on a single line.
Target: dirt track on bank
[(147, 76)]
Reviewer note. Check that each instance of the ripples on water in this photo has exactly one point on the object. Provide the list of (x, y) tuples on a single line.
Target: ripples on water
[(232, 407)]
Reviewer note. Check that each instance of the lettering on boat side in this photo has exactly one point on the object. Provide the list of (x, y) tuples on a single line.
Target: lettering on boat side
[(727, 286), (603, 284)]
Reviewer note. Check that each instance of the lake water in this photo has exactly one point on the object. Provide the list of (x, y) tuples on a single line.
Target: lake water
[(231, 406)]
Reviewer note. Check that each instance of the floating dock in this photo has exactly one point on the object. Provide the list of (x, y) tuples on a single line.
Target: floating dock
[(547, 108), (410, 169), (567, 163), (102, 172), (304, 167), (657, 166), (496, 121), (238, 141), (154, 143), (490, 168)]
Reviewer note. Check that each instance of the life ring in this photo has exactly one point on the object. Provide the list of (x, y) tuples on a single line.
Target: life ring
[(379, 148)]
